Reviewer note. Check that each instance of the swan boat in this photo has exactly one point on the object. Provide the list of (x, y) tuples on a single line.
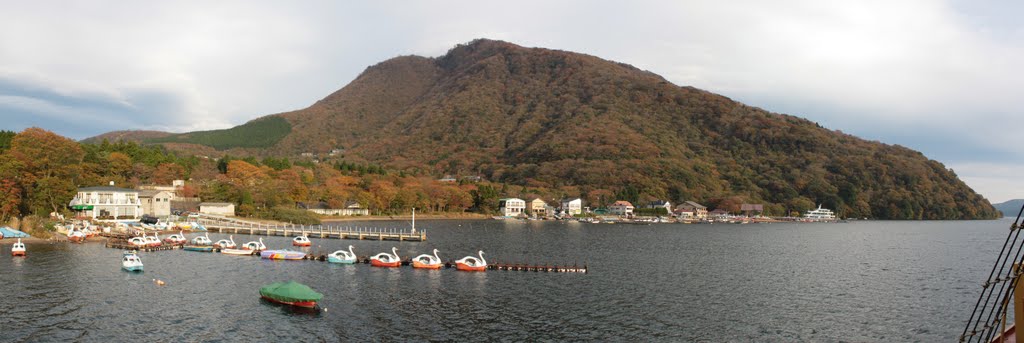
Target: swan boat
[(427, 261), (386, 260), (178, 238), (282, 255), (18, 249), (77, 236), (250, 248), (152, 241), (226, 243), (131, 262), (137, 241), (472, 263), (342, 256), (202, 240), (301, 241)]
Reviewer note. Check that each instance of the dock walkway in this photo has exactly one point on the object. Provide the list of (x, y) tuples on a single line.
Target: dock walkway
[(236, 226)]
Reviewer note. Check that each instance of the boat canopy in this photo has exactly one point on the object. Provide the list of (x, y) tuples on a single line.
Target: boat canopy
[(290, 291), (12, 233)]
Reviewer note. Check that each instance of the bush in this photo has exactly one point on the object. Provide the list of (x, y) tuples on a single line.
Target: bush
[(294, 215)]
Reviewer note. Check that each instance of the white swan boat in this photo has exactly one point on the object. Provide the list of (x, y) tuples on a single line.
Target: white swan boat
[(472, 263), (427, 261), (342, 256), (386, 260)]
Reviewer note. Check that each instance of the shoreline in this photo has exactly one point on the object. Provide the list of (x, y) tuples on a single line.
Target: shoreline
[(26, 240), (408, 217)]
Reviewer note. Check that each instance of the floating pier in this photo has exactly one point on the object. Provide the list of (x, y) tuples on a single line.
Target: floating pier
[(225, 225), (122, 244)]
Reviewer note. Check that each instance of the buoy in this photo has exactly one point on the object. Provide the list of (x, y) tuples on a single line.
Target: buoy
[(159, 282)]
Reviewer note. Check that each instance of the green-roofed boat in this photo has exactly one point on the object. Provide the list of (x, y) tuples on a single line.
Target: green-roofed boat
[(291, 293)]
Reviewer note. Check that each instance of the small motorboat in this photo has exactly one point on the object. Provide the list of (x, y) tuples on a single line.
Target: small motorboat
[(255, 245), (472, 263), (152, 241), (130, 261), (200, 248), (239, 252), (282, 255), (225, 243), (342, 256), (176, 239), (77, 236), (301, 241), (202, 240), (386, 260), (291, 293), (18, 249), (427, 261)]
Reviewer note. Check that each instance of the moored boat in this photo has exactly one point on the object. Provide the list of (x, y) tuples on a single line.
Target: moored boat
[(202, 240), (200, 248), (76, 236), (152, 241), (820, 214), (178, 238), (342, 256), (131, 262), (471, 263), (386, 260), (240, 252), (254, 245), (282, 255), (226, 243), (137, 241), (427, 261), (18, 249), (291, 293), (301, 241)]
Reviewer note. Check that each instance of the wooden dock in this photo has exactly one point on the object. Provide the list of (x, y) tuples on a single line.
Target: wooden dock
[(320, 231)]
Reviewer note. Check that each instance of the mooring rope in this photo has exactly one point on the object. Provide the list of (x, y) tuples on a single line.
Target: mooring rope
[(988, 288)]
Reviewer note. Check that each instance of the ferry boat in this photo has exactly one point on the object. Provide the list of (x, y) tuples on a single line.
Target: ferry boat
[(820, 214)]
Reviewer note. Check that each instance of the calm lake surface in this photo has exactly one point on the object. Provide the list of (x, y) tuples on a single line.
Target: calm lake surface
[(869, 281)]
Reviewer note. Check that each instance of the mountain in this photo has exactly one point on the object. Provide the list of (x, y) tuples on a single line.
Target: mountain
[(552, 119), (1010, 208)]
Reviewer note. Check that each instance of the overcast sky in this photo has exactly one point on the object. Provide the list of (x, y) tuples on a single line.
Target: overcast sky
[(942, 77)]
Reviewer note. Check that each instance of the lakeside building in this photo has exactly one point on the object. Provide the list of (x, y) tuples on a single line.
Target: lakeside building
[(660, 204), (572, 206), (621, 208), (217, 208), (696, 210), (156, 202), (176, 185), (538, 207), (351, 208), (750, 209), (107, 202), (511, 207)]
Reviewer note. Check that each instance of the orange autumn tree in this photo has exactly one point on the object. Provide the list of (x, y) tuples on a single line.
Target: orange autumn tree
[(51, 169)]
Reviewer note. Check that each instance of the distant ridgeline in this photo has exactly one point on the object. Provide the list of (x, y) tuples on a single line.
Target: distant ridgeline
[(1010, 208), (559, 123), (258, 133)]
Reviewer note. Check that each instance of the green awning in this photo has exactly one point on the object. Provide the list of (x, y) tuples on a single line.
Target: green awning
[(81, 207)]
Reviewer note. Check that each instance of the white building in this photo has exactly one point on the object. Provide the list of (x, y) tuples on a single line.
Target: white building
[(511, 207), (661, 204), (107, 202), (156, 202), (572, 206), (621, 208), (217, 208), (351, 208)]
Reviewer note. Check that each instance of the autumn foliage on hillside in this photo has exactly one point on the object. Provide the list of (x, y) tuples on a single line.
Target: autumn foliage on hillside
[(548, 123)]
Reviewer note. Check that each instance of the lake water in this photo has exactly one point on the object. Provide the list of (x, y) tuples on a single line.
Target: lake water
[(869, 281)]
